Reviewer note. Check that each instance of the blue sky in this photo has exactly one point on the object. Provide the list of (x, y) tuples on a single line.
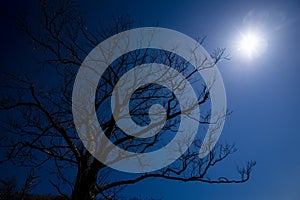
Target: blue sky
[(263, 93)]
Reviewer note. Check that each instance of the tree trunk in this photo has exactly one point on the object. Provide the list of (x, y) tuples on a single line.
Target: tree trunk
[(85, 186)]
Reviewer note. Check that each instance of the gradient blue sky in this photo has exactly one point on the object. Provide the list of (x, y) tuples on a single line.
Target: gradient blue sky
[(263, 92)]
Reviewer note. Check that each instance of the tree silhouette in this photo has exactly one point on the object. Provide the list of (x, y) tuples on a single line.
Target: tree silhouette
[(39, 116)]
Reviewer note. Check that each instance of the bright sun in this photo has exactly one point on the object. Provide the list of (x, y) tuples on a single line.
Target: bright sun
[(249, 43), (252, 44)]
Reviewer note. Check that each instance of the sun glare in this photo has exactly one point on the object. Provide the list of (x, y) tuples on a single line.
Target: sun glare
[(249, 43), (252, 44)]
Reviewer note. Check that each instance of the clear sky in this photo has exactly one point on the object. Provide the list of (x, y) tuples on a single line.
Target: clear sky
[(262, 91)]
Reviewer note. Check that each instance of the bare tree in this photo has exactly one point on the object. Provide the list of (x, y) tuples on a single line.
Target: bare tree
[(39, 116), (7, 188)]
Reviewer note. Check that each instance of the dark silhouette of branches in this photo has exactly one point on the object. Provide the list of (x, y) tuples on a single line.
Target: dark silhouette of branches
[(7, 188), (39, 117)]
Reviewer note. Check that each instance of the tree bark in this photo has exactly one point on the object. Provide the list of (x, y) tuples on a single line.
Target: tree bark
[(85, 186)]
